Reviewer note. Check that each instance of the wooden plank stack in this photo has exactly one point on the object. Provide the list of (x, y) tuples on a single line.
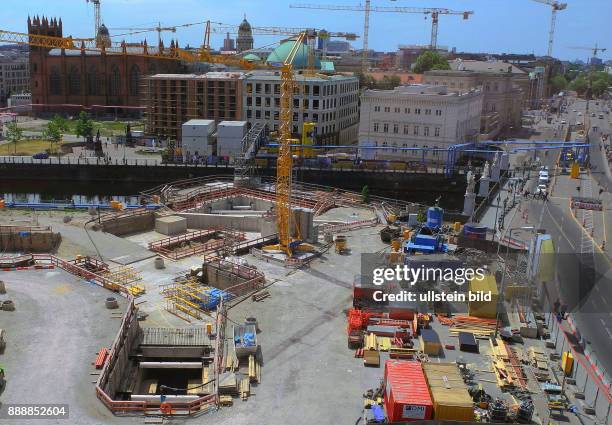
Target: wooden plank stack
[(245, 388), (254, 370), (539, 363)]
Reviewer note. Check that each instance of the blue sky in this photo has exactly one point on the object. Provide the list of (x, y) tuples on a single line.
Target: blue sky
[(495, 27)]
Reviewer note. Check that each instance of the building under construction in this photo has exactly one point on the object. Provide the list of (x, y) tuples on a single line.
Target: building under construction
[(173, 99)]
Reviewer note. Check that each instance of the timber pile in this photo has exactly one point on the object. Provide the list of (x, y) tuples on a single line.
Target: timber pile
[(539, 363), (228, 384), (254, 370), (226, 400), (475, 325), (245, 389), (506, 366)]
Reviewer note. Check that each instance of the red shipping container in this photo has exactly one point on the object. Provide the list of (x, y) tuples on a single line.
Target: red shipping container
[(406, 395)]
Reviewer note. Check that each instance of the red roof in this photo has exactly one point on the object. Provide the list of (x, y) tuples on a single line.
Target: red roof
[(407, 382)]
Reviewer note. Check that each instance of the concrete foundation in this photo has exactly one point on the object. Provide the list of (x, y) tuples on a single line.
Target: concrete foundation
[(173, 225), (130, 224), (16, 240)]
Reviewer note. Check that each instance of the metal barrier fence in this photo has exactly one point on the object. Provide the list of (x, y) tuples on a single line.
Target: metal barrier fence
[(590, 380)]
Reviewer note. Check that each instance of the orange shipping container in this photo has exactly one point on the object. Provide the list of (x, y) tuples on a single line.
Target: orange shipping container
[(406, 395)]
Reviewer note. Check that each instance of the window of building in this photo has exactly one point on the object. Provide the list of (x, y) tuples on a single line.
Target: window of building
[(385, 128), (74, 81), (417, 111), (249, 114), (395, 128), (315, 104), (397, 110), (377, 109), (257, 87), (427, 111), (439, 112), (315, 117), (267, 102), (406, 110), (316, 89), (258, 114), (267, 89), (93, 82), (115, 81), (387, 109), (267, 115), (276, 115), (55, 81), (437, 132), (406, 128), (249, 88), (249, 101), (415, 130), (258, 101), (376, 127), (425, 131)]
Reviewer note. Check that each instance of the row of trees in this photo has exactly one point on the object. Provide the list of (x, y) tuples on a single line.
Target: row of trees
[(590, 81), (54, 131)]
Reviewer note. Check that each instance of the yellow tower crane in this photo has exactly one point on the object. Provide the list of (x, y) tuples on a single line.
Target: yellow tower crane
[(286, 242)]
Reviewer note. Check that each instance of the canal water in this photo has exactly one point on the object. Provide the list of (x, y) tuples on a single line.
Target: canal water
[(95, 193)]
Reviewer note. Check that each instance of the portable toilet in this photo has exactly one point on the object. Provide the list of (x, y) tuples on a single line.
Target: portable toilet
[(434, 217)]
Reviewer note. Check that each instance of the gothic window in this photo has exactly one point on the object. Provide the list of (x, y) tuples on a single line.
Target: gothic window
[(134, 80), (74, 81), (115, 81), (55, 82), (93, 81)]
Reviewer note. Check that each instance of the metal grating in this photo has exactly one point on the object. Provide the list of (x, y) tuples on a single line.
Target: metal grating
[(175, 336)]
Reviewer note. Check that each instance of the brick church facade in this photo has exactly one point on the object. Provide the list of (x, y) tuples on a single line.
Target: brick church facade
[(106, 80)]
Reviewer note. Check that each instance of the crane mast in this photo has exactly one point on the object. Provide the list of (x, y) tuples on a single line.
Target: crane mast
[(97, 15), (555, 7)]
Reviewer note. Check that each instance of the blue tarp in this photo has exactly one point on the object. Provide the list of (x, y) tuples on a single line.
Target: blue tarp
[(247, 340), (379, 414)]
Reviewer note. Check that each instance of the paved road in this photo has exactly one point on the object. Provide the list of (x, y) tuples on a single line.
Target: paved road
[(584, 273)]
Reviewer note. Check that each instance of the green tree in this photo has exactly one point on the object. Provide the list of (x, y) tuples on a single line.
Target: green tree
[(558, 83), (599, 87), (421, 217), (365, 194), (430, 61), (84, 125), (61, 123), (53, 133), (580, 85), (14, 134), (366, 81)]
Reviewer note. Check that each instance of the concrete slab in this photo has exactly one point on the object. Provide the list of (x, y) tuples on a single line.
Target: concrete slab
[(59, 324)]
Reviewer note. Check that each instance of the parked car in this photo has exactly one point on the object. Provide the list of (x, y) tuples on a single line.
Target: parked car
[(40, 155)]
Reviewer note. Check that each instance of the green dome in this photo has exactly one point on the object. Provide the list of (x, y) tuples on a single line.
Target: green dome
[(252, 58), (279, 55)]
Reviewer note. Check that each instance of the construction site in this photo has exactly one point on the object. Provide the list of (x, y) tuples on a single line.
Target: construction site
[(254, 297), (200, 308)]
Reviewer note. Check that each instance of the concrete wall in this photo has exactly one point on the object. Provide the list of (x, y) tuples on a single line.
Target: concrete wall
[(43, 241), (228, 203), (128, 225), (235, 222)]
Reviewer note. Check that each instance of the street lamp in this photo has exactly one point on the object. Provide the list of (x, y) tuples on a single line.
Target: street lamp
[(500, 300)]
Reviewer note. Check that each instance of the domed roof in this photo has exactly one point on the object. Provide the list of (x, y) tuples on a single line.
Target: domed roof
[(279, 55), (244, 25), (103, 30), (251, 57)]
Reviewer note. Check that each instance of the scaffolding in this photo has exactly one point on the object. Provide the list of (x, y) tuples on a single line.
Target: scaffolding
[(171, 100), (126, 277), (187, 298)]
